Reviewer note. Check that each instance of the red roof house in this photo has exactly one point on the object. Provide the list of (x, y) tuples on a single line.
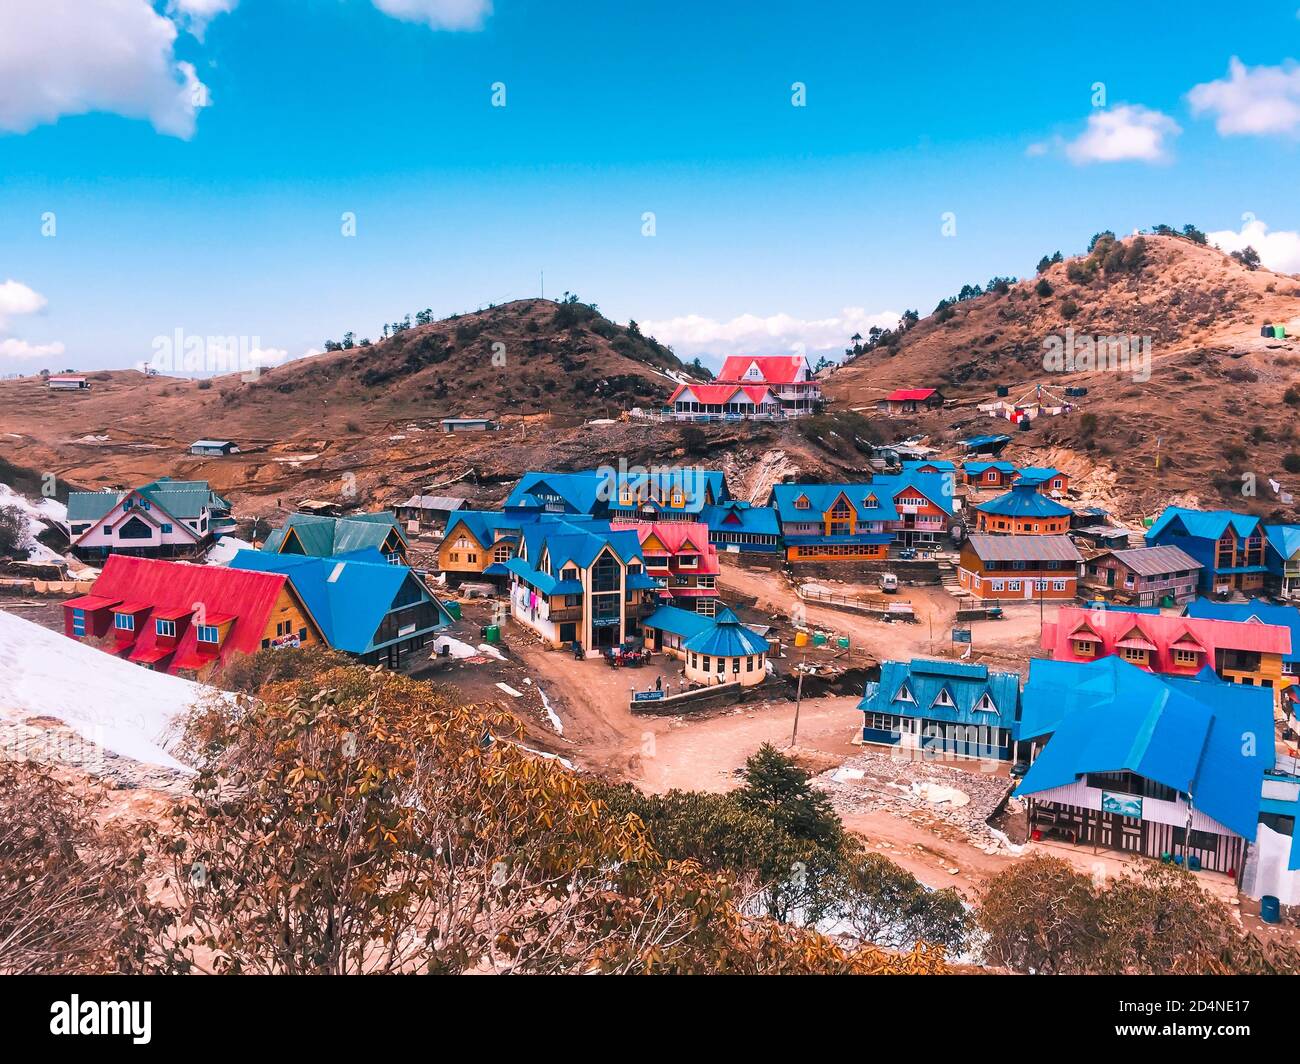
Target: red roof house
[(753, 386), (910, 400), (177, 617)]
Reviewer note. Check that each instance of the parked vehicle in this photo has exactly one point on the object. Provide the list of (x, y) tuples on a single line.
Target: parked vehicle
[(888, 583)]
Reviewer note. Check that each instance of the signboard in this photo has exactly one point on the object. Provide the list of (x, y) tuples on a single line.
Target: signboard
[(604, 622), (1123, 804), (647, 696), (961, 635), (286, 641)]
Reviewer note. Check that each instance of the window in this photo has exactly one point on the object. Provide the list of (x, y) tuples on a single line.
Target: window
[(721, 662), (208, 633), (1058, 585), (1085, 648), (904, 695), (166, 629), (124, 622), (1134, 654), (1184, 657), (943, 698), (166, 529), (1013, 585)]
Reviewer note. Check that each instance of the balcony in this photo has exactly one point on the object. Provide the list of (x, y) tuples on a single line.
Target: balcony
[(566, 613)]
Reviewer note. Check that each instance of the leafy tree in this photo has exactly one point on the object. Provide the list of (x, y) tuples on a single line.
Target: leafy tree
[(13, 532), (1043, 287), (778, 790), (1105, 236), (886, 905), (1248, 257), (1194, 235), (1044, 916)]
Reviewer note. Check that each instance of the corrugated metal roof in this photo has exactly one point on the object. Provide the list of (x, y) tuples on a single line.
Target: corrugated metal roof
[(1110, 716), (1155, 561), (1204, 524), (726, 637), (1024, 500), (928, 680), (1024, 548)]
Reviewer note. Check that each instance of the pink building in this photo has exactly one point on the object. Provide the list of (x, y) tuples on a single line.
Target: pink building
[(1245, 652), (679, 555)]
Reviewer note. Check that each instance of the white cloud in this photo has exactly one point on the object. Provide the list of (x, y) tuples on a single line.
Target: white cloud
[(777, 334), (16, 298), (196, 14), (440, 14), (1258, 100), (69, 57), (12, 348), (1279, 251), (1126, 132)]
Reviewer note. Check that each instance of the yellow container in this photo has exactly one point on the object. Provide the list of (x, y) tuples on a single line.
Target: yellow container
[(801, 639)]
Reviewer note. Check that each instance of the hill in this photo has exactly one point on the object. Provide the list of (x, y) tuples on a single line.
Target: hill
[(1216, 407)]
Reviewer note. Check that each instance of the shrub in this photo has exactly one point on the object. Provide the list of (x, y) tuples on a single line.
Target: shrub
[(1291, 462)]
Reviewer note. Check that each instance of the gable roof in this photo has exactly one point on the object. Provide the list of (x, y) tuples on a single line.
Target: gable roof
[(1023, 548), (967, 684), (1038, 474), (1166, 629), (1110, 716), (685, 623), (1153, 561), (182, 499), (738, 516), (776, 369), (981, 467), (348, 596), (247, 597), (1284, 540), (902, 395), (1204, 524), (1255, 611), (323, 537)]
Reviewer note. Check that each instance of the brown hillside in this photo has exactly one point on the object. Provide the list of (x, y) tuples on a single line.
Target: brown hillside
[(1214, 406)]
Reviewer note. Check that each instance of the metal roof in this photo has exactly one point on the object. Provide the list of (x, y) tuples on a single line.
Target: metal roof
[(1154, 561), (1024, 548)]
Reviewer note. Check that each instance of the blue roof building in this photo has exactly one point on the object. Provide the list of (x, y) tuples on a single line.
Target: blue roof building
[(740, 526), (1023, 511), (1131, 755), (363, 603), (714, 650), (942, 708), (1229, 545), (575, 581), (1282, 558)]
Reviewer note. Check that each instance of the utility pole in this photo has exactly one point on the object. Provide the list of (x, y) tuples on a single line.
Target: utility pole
[(798, 699)]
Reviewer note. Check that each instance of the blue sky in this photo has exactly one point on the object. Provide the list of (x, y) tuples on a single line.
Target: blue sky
[(200, 183)]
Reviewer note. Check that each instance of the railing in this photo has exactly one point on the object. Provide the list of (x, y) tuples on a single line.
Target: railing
[(566, 613)]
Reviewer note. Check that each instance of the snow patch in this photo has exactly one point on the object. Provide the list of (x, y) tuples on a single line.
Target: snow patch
[(110, 702)]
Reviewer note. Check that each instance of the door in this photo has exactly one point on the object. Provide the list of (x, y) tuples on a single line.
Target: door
[(1029, 589)]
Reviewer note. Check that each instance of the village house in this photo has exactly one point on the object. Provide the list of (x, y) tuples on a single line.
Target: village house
[(469, 424), (1229, 546), (660, 493), (763, 386), (320, 536), (990, 476), (478, 543), (579, 582), (1023, 511), (930, 465), (213, 448), (1019, 567), (1282, 559), (942, 709), (1143, 576), (1257, 611), (1131, 760), (429, 511), (740, 527), (680, 556), (67, 383), (832, 522), (904, 401), (1046, 479), (362, 602), (163, 519), (186, 619), (1239, 652), (713, 650)]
